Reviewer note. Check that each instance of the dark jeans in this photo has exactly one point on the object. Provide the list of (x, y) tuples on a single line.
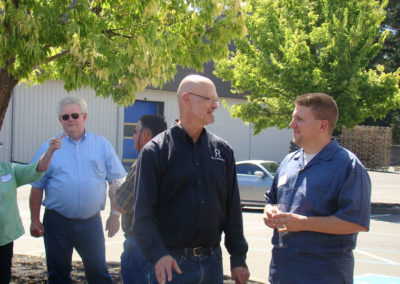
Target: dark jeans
[(86, 236), (135, 268), (6, 253), (203, 270)]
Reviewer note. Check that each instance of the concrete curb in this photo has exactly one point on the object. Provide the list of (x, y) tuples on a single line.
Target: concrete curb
[(385, 208)]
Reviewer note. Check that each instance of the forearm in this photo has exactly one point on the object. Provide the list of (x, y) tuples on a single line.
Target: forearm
[(331, 225), (44, 161), (113, 204), (35, 202)]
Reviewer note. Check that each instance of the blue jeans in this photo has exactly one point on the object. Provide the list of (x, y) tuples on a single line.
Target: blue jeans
[(86, 236), (135, 268), (6, 253), (203, 270)]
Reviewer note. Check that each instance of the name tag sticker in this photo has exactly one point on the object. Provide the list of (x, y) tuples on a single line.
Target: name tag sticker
[(282, 180), (6, 178)]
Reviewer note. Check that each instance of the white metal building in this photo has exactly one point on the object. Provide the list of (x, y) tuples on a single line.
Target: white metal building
[(31, 119)]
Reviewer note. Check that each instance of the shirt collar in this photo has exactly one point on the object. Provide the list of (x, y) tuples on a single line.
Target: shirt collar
[(325, 154), (177, 128), (84, 137)]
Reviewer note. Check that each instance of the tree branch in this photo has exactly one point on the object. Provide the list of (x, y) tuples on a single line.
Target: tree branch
[(61, 54)]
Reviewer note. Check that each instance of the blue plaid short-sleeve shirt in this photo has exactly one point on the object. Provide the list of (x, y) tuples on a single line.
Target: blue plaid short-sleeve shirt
[(334, 183)]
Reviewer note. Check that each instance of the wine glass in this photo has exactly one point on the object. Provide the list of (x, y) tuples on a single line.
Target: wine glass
[(278, 208)]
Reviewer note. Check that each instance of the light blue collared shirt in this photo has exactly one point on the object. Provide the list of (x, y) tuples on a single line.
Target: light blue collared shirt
[(75, 182)]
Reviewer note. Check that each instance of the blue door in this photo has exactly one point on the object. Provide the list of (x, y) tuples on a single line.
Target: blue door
[(131, 116)]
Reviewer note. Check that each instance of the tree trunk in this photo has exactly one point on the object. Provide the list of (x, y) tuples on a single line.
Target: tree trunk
[(7, 84)]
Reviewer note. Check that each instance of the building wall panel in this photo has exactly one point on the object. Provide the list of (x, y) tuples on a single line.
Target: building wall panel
[(269, 144), (36, 120)]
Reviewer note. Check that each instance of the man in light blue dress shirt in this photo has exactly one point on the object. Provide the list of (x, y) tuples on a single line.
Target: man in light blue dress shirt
[(75, 193)]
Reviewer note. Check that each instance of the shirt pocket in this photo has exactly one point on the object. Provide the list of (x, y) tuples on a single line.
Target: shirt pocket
[(98, 168)]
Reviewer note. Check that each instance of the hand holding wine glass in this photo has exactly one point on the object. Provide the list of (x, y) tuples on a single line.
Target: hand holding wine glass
[(279, 208)]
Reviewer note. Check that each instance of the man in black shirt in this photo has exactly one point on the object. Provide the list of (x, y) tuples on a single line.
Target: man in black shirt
[(187, 195)]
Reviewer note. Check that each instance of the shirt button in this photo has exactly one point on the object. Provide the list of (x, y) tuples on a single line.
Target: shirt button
[(197, 164), (199, 182), (295, 189)]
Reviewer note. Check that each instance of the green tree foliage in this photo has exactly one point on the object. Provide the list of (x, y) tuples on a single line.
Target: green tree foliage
[(117, 47), (389, 55), (295, 47)]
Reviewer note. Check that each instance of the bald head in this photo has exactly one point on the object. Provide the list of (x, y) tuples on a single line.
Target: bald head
[(197, 98), (196, 84)]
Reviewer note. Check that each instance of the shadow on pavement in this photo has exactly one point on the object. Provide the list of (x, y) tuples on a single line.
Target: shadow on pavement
[(387, 218)]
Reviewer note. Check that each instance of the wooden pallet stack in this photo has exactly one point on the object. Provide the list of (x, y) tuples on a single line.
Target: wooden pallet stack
[(371, 144)]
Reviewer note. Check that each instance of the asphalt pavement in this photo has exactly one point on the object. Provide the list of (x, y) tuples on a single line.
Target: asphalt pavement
[(377, 253), (385, 193)]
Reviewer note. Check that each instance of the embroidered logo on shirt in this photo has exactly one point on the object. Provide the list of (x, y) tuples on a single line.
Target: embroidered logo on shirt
[(6, 178), (218, 156)]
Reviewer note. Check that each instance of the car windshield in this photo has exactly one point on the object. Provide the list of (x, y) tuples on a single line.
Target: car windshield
[(272, 167)]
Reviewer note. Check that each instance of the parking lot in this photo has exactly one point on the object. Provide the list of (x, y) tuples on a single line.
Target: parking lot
[(377, 253)]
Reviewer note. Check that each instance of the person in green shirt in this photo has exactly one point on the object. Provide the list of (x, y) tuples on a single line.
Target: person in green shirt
[(12, 176)]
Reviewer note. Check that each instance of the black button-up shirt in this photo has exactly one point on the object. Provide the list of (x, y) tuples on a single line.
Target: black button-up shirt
[(187, 195)]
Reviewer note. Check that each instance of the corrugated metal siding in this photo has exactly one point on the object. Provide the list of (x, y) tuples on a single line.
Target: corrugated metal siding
[(36, 121), (270, 144), (232, 130), (36, 117)]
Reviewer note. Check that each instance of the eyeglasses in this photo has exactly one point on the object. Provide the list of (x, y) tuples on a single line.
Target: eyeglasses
[(74, 115), (206, 98)]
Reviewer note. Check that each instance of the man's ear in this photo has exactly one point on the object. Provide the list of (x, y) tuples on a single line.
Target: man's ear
[(324, 126), (186, 97), (146, 134)]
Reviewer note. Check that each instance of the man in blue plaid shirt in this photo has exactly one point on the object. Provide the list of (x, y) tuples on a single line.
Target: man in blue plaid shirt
[(326, 192)]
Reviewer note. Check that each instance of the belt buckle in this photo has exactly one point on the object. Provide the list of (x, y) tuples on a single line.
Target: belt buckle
[(195, 251)]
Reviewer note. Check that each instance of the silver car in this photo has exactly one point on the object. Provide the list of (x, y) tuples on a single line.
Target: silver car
[(255, 178)]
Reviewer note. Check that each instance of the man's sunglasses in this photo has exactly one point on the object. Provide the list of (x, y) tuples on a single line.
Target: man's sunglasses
[(74, 115)]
